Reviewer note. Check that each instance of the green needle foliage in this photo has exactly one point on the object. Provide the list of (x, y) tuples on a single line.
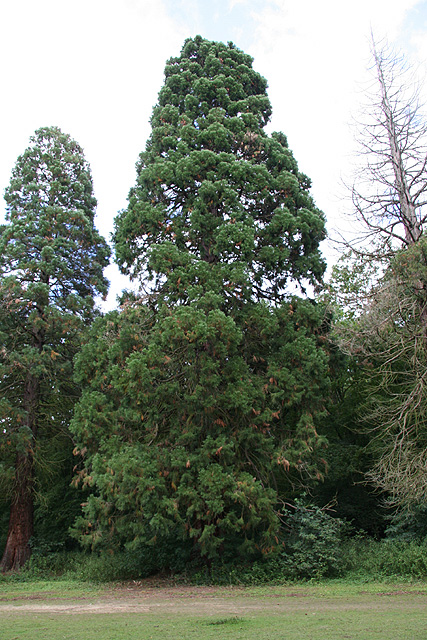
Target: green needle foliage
[(51, 262), (202, 397), (219, 205)]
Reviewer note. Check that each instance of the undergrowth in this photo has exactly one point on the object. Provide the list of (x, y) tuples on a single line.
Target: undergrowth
[(359, 559), (314, 546)]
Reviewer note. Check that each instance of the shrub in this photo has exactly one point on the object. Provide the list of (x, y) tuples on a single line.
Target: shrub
[(312, 542), (372, 560)]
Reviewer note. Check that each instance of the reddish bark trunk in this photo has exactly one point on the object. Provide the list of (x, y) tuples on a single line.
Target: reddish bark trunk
[(21, 521)]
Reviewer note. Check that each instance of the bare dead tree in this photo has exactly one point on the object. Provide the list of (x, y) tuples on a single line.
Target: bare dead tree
[(389, 330), (389, 191)]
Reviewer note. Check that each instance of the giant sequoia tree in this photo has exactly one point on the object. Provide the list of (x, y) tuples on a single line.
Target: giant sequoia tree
[(51, 262), (201, 396)]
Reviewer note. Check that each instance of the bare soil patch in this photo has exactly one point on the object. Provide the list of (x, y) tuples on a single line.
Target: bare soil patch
[(154, 596)]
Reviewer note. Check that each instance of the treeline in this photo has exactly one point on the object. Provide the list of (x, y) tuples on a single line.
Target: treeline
[(216, 416)]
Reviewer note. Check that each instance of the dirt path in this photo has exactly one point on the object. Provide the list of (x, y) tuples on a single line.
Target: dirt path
[(206, 601)]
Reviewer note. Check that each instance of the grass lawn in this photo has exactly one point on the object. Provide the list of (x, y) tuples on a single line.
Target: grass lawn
[(325, 611)]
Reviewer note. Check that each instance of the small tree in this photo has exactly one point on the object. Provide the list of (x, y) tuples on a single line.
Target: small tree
[(51, 262), (212, 383)]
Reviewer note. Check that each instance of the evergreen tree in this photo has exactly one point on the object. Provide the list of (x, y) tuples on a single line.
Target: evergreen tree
[(51, 261), (201, 398)]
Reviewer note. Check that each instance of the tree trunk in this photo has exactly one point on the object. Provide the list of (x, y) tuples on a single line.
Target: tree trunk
[(408, 214), (21, 521)]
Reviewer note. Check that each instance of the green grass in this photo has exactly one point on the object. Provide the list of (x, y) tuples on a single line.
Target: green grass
[(45, 589), (325, 611), (362, 624)]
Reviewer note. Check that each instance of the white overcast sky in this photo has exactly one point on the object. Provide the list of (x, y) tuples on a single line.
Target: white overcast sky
[(95, 67)]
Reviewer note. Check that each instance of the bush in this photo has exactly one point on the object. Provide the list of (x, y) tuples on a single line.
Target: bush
[(312, 542), (385, 559), (46, 566), (313, 546), (310, 549)]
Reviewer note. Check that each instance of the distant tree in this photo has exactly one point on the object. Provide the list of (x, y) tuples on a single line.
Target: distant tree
[(348, 455), (211, 384), (51, 262)]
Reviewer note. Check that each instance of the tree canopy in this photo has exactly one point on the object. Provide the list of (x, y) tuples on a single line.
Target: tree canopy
[(218, 205)]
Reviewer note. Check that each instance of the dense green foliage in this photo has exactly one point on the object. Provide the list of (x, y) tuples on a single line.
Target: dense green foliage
[(219, 206), (350, 451), (201, 399), (312, 541), (203, 408), (357, 559), (51, 262)]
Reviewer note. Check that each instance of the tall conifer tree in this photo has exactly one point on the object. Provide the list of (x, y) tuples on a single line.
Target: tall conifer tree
[(51, 262), (211, 383)]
